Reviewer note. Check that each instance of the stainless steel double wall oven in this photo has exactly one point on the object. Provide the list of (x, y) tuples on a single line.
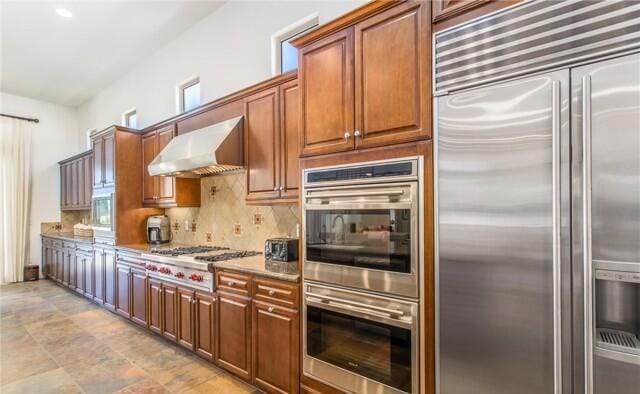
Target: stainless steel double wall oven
[(362, 254)]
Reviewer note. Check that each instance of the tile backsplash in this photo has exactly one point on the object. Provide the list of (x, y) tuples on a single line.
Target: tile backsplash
[(228, 220)]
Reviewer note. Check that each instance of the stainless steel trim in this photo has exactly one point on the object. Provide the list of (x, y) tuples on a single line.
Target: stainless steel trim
[(416, 162), (557, 256), (618, 356), (626, 266), (357, 194), (387, 311), (586, 218)]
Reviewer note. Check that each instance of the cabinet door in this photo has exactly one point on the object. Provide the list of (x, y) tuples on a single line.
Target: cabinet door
[(233, 334), (110, 279), (98, 162), (123, 273), (262, 145), (63, 186), (155, 306), (79, 182), (445, 9), (139, 296), (88, 276), (169, 312), (289, 140), (186, 315), (109, 160), (88, 180), (392, 73), (275, 357), (326, 90), (72, 269), (73, 185), (59, 265), (43, 259), (205, 319), (149, 183), (80, 273), (66, 266), (166, 184), (98, 275)]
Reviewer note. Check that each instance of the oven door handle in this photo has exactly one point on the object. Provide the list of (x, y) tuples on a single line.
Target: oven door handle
[(389, 193), (387, 311), (354, 310)]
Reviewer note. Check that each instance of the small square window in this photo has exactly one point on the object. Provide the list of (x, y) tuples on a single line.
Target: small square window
[(130, 119), (284, 55), (189, 95)]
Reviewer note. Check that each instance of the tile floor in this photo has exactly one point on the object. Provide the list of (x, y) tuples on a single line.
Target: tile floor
[(54, 341)]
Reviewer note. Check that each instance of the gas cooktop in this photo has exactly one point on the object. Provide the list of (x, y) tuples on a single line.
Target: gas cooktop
[(188, 250), (228, 255)]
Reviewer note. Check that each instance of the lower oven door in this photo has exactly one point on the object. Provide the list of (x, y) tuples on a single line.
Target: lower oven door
[(363, 236), (360, 342)]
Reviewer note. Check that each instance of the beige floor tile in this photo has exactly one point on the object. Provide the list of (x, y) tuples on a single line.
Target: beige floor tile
[(18, 364), (222, 384), (147, 386), (54, 381), (185, 376)]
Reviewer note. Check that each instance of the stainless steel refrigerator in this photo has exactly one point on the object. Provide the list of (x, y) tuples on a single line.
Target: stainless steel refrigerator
[(538, 232)]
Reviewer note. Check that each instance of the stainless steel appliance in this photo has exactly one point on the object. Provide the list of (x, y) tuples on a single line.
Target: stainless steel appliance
[(207, 151), (538, 201), (362, 225), (363, 255), (158, 229), (281, 249), (103, 212)]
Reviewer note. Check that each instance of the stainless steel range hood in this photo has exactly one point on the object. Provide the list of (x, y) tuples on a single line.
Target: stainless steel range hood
[(207, 151)]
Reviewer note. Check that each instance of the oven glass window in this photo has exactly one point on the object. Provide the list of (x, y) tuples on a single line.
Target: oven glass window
[(377, 351), (366, 238), (102, 212)]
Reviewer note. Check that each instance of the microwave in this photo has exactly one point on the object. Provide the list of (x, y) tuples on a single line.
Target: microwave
[(103, 212)]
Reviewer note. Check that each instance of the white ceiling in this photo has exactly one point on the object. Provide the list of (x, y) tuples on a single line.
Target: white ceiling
[(69, 60)]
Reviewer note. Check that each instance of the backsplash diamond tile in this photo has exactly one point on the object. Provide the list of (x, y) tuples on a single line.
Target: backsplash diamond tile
[(226, 207)]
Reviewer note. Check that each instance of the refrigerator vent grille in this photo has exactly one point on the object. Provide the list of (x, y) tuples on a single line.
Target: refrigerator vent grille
[(609, 338), (533, 36)]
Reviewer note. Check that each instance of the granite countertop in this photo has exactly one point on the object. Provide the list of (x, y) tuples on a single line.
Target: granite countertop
[(67, 237), (148, 248), (259, 266)]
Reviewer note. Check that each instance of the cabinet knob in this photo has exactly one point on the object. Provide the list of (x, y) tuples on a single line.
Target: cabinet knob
[(271, 292), (357, 134), (270, 309), (347, 135), (275, 189), (281, 188), (230, 283)]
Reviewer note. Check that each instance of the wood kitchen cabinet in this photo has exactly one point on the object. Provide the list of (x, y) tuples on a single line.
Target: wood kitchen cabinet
[(169, 311), (76, 182), (104, 160), (138, 295), (445, 9), (368, 84), (165, 192), (89, 277), (109, 262), (98, 275), (205, 318), (275, 348), (123, 285), (233, 334), (271, 144), (155, 305), (185, 318)]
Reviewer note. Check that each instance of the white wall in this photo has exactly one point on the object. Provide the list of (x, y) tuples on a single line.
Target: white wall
[(230, 49), (56, 137)]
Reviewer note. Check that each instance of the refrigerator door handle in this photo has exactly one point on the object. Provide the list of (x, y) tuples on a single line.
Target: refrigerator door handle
[(586, 220), (556, 221)]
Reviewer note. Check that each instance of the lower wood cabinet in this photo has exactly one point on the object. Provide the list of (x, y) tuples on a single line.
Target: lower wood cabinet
[(186, 314), (98, 275), (205, 319), (275, 348), (123, 272), (139, 296), (155, 305), (71, 255), (80, 273), (169, 312), (89, 278), (233, 339), (109, 263), (66, 265)]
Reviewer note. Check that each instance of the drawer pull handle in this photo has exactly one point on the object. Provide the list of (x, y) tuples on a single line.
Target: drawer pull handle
[(271, 292), (230, 283), (270, 309)]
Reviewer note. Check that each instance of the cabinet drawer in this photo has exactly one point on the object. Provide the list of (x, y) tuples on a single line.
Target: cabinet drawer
[(68, 245), (233, 282), (276, 292), (84, 247), (56, 244)]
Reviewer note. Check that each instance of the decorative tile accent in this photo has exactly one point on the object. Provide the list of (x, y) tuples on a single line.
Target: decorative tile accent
[(237, 229), (218, 216), (258, 219)]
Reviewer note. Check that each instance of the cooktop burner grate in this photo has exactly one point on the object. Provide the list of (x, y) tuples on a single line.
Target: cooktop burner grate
[(188, 250), (228, 256)]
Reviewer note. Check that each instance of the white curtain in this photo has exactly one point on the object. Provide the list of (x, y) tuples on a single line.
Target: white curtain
[(15, 189)]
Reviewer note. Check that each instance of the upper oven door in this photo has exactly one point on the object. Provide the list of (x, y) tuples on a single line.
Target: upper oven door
[(102, 215), (363, 236)]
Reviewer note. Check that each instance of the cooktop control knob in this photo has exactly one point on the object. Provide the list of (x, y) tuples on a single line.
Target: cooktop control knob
[(179, 275)]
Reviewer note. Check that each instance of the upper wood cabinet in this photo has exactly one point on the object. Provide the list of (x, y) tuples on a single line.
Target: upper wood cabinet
[(165, 192), (271, 143), (445, 9), (368, 84), (326, 88), (104, 162), (76, 183)]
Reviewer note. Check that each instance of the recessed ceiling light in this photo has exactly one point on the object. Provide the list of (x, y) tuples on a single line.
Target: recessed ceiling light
[(64, 12)]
